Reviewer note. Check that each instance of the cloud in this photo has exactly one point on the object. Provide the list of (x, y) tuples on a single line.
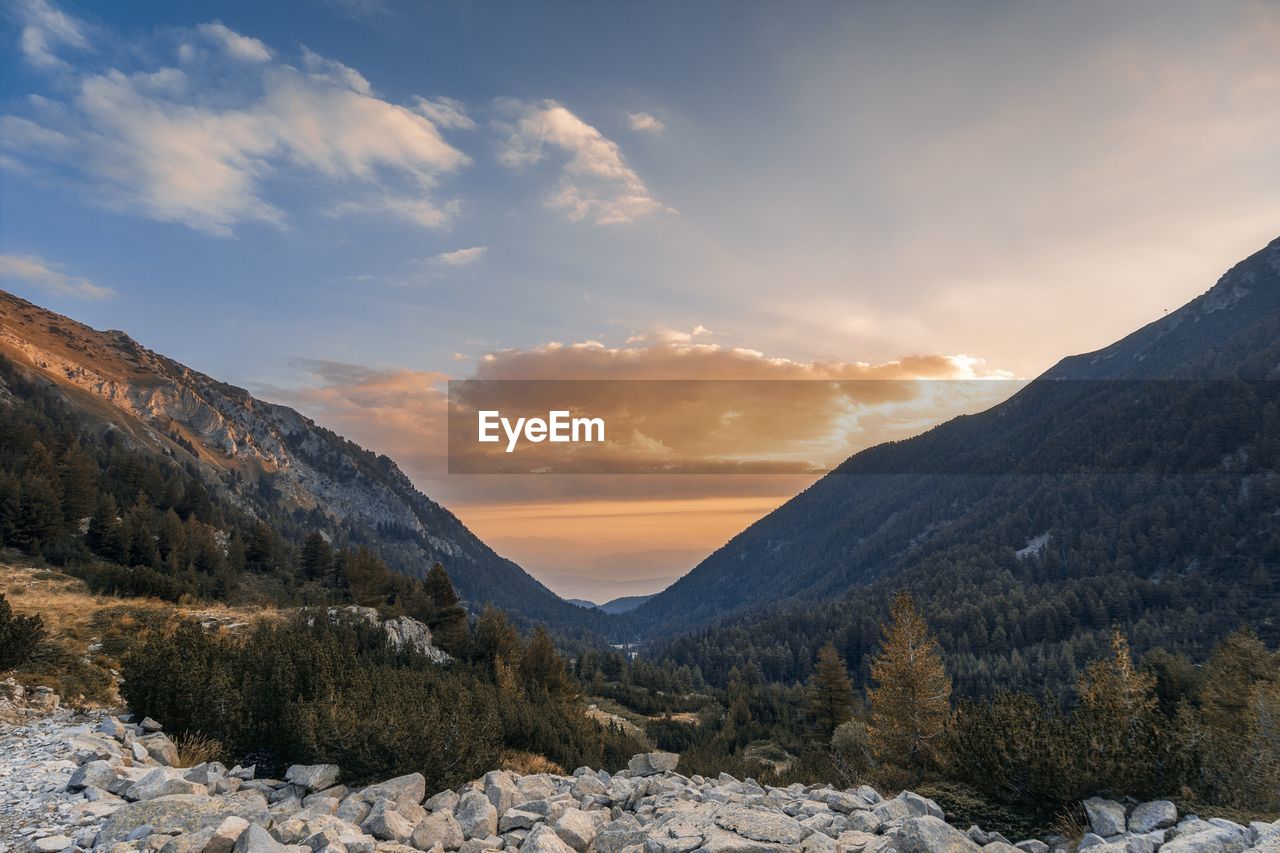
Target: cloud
[(445, 112), (595, 183), (197, 143), (32, 269), (460, 257), (44, 29), (236, 45), (645, 123)]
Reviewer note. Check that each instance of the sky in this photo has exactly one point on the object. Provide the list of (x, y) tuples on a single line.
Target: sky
[(342, 204)]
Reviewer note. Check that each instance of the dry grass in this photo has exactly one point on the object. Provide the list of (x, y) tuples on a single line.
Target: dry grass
[(1072, 824), (195, 748), (526, 763), (88, 634)]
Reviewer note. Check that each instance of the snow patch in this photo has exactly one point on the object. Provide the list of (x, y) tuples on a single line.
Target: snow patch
[(1034, 546)]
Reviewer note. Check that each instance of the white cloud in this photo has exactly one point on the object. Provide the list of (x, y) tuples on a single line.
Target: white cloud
[(197, 144), (461, 257), (445, 112), (645, 123), (32, 269), (595, 183), (44, 29), (236, 45)]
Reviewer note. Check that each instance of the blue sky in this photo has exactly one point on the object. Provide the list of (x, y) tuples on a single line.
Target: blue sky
[(338, 203)]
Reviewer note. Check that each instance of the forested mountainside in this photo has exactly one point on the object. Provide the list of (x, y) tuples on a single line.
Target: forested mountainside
[(1150, 501), (92, 399)]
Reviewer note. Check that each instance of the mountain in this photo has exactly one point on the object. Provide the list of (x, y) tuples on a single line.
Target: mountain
[(1136, 485), (625, 604), (265, 459)]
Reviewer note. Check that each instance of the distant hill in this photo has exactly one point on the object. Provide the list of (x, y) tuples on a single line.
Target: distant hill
[(265, 459), (1136, 485), (625, 604)]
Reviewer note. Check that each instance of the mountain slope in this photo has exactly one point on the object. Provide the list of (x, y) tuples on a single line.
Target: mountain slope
[(1179, 444), (267, 458)]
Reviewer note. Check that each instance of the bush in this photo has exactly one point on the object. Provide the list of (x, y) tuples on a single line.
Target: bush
[(20, 636)]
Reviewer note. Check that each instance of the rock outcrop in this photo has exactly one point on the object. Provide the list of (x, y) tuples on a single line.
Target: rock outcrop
[(107, 793)]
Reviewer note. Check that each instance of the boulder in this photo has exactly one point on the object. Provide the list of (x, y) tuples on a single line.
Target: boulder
[(929, 834), (386, 823), (543, 839), (476, 815), (1147, 817), (51, 844), (182, 813), (579, 829), (313, 777), (97, 773), (160, 748), (1106, 817), (439, 827), (501, 790), (760, 825), (1214, 840), (225, 834), (402, 790), (255, 839), (652, 763)]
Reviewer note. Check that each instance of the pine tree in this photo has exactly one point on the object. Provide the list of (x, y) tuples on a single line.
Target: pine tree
[(448, 624), (316, 562), (1118, 720), (830, 692), (911, 702), (544, 669)]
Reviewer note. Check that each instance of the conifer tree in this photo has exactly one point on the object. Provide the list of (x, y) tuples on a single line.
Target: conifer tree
[(316, 562), (830, 692), (1118, 720), (448, 623), (911, 702)]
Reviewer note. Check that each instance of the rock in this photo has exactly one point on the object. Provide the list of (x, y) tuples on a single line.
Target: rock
[(225, 834), (929, 834), (1146, 817), (443, 801), (896, 809), (178, 814), (652, 763), (163, 782), (1032, 846), (98, 774), (513, 819), (255, 839), (501, 790), (150, 725), (439, 827), (313, 777), (1214, 840), (51, 844), (579, 829), (1106, 817), (864, 821), (543, 839), (476, 815), (402, 790), (759, 825), (161, 749), (920, 806), (386, 823)]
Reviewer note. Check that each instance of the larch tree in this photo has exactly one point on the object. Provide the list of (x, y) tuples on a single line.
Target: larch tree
[(911, 699)]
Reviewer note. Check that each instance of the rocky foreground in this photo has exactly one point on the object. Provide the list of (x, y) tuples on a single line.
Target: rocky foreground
[(95, 782)]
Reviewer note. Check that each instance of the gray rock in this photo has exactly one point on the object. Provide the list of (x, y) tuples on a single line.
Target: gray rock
[(929, 834), (178, 814), (578, 828), (443, 801), (543, 839), (439, 827), (225, 834), (1032, 845), (51, 844), (98, 774), (1106, 817), (1214, 840), (920, 806), (476, 815), (255, 839), (652, 763), (386, 823), (864, 821), (1154, 815), (759, 825), (313, 777), (402, 790), (161, 749), (501, 790), (513, 819)]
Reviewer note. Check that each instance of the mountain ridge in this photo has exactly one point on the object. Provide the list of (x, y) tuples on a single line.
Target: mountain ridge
[(262, 453)]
